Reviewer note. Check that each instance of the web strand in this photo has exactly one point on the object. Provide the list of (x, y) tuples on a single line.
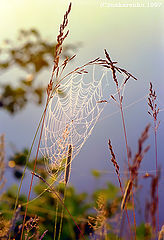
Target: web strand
[(70, 119)]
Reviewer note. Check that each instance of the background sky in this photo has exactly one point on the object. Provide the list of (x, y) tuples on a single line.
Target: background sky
[(133, 36)]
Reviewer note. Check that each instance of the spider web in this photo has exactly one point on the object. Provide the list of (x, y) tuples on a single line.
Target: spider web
[(70, 119)]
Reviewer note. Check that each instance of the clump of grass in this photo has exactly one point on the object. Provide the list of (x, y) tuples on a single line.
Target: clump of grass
[(32, 229), (4, 228), (99, 222)]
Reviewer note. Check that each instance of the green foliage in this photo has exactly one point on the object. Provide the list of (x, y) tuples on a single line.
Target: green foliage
[(109, 193), (18, 161), (112, 236), (20, 157), (96, 173), (13, 99), (31, 54), (144, 232)]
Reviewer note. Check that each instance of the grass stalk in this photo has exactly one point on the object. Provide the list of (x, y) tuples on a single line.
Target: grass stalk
[(154, 110), (127, 151), (156, 162), (56, 218), (66, 179), (62, 214)]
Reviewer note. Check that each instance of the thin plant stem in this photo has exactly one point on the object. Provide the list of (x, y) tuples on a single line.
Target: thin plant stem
[(28, 157), (126, 141), (24, 220), (156, 161), (66, 178), (127, 215), (122, 225), (62, 214), (113, 159), (56, 218)]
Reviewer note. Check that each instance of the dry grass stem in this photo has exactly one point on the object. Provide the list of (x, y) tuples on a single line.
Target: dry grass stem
[(154, 110), (2, 161), (98, 223)]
